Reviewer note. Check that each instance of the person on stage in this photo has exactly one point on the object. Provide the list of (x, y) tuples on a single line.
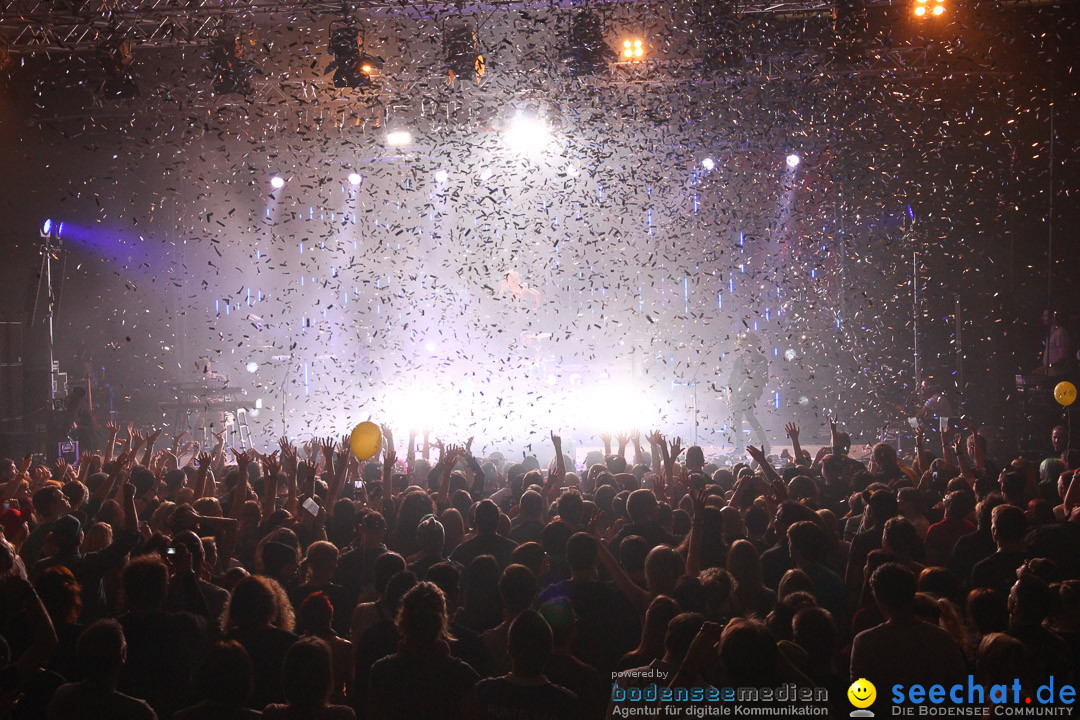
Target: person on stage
[(746, 384), (1056, 358), (519, 291)]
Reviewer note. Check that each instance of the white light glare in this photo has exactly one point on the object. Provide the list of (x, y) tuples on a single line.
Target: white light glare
[(354, 178), (277, 182), (252, 367), (708, 164), (527, 134), (398, 138), (793, 161), (485, 174), (441, 176), (429, 346)]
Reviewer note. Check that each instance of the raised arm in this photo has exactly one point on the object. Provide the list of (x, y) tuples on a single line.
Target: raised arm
[(114, 430), (793, 432), (148, 454), (639, 456), (240, 490), (693, 553)]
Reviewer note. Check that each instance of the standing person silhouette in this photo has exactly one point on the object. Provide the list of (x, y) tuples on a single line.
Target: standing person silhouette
[(746, 384)]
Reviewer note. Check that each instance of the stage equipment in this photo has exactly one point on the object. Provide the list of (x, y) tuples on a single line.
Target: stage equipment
[(586, 52)]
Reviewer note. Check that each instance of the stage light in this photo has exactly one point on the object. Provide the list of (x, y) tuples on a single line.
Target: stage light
[(351, 65), (708, 164), (277, 182), (633, 49), (398, 138), (46, 228), (354, 178), (252, 367), (232, 70), (429, 346), (929, 8), (441, 176), (939, 9), (463, 57), (485, 174), (793, 161), (586, 51), (789, 354), (527, 133), (920, 10), (116, 57)]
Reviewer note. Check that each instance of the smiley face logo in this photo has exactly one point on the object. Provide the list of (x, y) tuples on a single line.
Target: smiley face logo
[(862, 693)]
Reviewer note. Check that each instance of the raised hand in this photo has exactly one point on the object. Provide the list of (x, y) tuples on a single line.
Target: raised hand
[(655, 438), (154, 436), (113, 427), (25, 463), (389, 459), (832, 424), (203, 460), (243, 459), (61, 467), (792, 431), (675, 450), (635, 438), (697, 501), (556, 441), (271, 464), (468, 447), (757, 454), (131, 429), (388, 435)]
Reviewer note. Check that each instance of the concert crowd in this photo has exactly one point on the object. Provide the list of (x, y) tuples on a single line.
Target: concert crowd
[(302, 583)]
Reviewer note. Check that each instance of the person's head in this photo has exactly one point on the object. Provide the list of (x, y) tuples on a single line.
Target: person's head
[(1002, 660), (225, 675), (1049, 317), (145, 581), (663, 566), (60, 593), (748, 652), (50, 503), (533, 556), (447, 577), (487, 517), (571, 507), (307, 674), (422, 620), (320, 562), (902, 539), (517, 588), (789, 513), (881, 506), (257, 602), (582, 550), (315, 616), (695, 458), (939, 582), (1008, 524), (642, 507), (814, 631), (67, 534), (894, 588), (373, 529), (885, 456), (385, 567), (1059, 438), (744, 564), (532, 506), (529, 644), (1031, 600), (279, 561), (807, 543), (987, 611), (101, 651), (793, 581), (1014, 487), (959, 504), (430, 536), (680, 633)]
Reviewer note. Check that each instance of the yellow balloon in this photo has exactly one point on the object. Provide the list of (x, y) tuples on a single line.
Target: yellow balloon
[(1065, 393), (365, 440)]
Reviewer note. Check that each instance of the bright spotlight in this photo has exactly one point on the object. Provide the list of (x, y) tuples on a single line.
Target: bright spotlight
[(938, 9), (708, 164), (354, 178), (485, 174), (920, 10), (429, 346), (398, 138), (633, 49), (789, 354), (441, 176), (793, 161), (527, 134), (252, 367), (277, 182), (46, 228)]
